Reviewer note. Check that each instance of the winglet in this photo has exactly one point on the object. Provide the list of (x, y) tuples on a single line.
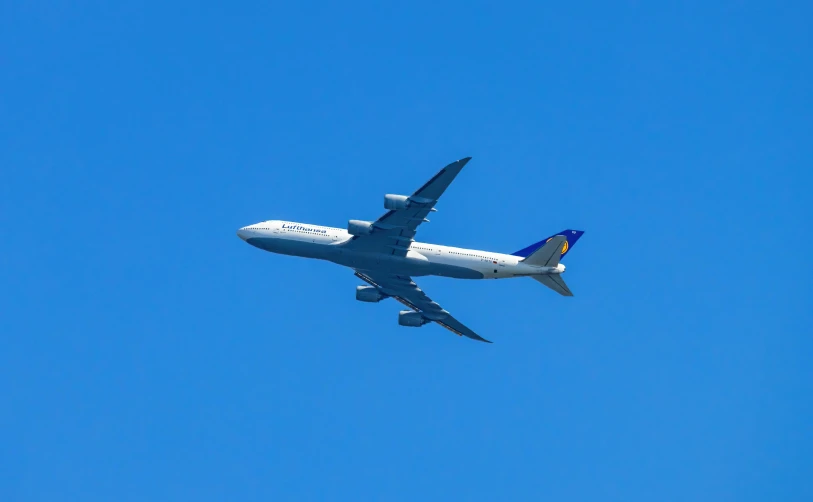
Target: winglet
[(467, 333), (435, 187)]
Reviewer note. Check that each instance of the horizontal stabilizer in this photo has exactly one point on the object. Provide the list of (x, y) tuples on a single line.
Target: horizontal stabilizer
[(554, 282), (549, 254)]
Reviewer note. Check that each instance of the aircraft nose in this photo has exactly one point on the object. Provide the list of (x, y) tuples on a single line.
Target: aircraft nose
[(243, 233)]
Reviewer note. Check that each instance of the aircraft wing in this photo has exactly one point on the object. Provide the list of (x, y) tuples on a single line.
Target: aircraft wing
[(403, 289), (394, 231)]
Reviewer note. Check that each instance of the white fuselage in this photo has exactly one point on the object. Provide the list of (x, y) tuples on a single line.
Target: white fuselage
[(334, 244)]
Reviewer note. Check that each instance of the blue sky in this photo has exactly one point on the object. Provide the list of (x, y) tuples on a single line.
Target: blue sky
[(149, 354)]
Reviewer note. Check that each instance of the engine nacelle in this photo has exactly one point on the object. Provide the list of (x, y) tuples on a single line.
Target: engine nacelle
[(358, 227), (395, 202), (411, 319), (369, 294)]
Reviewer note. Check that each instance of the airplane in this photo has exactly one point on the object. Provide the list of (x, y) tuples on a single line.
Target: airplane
[(384, 254)]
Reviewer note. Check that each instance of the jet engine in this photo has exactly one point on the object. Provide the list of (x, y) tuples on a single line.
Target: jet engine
[(395, 202), (369, 294), (411, 319), (358, 227)]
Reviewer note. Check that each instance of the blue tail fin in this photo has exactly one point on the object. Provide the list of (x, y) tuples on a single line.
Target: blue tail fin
[(572, 237)]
